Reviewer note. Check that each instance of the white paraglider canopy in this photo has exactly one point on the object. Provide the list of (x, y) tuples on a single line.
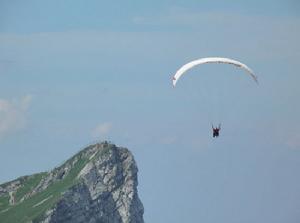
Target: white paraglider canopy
[(194, 63)]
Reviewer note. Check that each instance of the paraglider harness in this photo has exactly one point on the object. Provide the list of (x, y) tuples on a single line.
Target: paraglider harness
[(216, 130)]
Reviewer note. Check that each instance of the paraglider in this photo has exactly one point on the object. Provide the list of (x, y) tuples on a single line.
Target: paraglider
[(216, 130), (201, 61)]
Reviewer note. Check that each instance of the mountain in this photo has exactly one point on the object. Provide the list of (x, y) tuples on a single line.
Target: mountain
[(97, 185)]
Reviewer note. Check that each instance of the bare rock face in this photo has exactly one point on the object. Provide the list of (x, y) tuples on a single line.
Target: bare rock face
[(107, 192), (97, 185)]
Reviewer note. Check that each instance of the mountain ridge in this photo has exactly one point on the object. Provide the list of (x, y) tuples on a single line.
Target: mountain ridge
[(98, 184)]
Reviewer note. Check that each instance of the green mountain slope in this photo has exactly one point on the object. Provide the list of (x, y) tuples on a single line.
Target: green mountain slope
[(28, 198)]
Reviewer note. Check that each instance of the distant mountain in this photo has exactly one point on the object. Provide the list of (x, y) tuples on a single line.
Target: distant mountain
[(97, 185)]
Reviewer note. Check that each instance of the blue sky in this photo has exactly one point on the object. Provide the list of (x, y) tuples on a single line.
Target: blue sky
[(72, 72)]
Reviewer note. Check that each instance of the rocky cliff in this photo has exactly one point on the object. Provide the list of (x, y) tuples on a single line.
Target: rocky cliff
[(97, 185)]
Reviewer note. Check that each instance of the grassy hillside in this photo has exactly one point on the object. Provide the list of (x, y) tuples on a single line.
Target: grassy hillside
[(36, 205), (32, 208)]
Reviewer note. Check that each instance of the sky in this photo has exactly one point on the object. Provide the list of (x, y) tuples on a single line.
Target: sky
[(76, 72)]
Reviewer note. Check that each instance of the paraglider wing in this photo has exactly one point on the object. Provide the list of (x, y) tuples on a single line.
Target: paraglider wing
[(194, 63)]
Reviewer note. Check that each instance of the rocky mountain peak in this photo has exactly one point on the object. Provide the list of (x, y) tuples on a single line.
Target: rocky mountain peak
[(98, 184)]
